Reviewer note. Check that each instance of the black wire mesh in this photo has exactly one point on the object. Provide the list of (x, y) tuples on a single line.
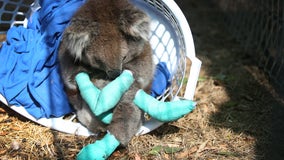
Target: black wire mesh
[(258, 26)]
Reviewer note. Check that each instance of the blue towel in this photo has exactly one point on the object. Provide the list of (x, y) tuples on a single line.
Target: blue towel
[(161, 80), (28, 70), (29, 75)]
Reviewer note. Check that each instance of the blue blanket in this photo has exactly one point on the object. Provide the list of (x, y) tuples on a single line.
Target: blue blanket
[(29, 75), (28, 70), (161, 80)]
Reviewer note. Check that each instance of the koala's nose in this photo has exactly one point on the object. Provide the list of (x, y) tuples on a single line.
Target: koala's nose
[(113, 73)]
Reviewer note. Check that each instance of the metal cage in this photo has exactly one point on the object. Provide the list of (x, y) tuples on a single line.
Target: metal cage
[(258, 26)]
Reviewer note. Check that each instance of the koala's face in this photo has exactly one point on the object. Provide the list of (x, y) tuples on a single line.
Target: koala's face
[(106, 34)]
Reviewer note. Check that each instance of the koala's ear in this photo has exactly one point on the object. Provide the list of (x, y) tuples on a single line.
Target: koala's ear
[(75, 43), (135, 23)]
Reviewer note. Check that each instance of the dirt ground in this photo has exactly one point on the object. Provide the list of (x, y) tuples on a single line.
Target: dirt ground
[(238, 115)]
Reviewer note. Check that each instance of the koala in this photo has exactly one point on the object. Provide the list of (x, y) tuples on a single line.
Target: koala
[(104, 38)]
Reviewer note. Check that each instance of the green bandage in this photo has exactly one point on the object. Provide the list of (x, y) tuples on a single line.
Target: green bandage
[(112, 92), (106, 117), (99, 150), (101, 102), (163, 111), (104, 100), (89, 92)]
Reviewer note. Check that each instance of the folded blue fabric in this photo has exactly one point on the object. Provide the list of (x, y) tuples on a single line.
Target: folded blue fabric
[(28, 70), (29, 74), (161, 80)]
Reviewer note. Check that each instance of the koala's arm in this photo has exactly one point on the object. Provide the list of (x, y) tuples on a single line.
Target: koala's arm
[(143, 68), (127, 117)]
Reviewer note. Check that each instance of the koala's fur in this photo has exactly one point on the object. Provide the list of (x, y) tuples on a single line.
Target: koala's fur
[(104, 38)]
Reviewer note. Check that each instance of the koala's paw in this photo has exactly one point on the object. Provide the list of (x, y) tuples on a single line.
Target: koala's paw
[(92, 152), (99, 150)]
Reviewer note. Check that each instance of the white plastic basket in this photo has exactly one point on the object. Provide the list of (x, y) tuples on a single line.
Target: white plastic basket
[(171, 41), (13, 12)]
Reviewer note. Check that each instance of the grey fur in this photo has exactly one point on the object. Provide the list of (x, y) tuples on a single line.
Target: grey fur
[(104, 38)]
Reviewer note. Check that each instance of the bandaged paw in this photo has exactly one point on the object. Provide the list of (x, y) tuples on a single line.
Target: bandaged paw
[(99, 150), (101, 104), (100, 101), (163, 111)]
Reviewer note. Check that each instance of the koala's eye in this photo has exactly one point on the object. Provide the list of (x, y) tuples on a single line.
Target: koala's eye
[(124, 59), (98, 62)]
